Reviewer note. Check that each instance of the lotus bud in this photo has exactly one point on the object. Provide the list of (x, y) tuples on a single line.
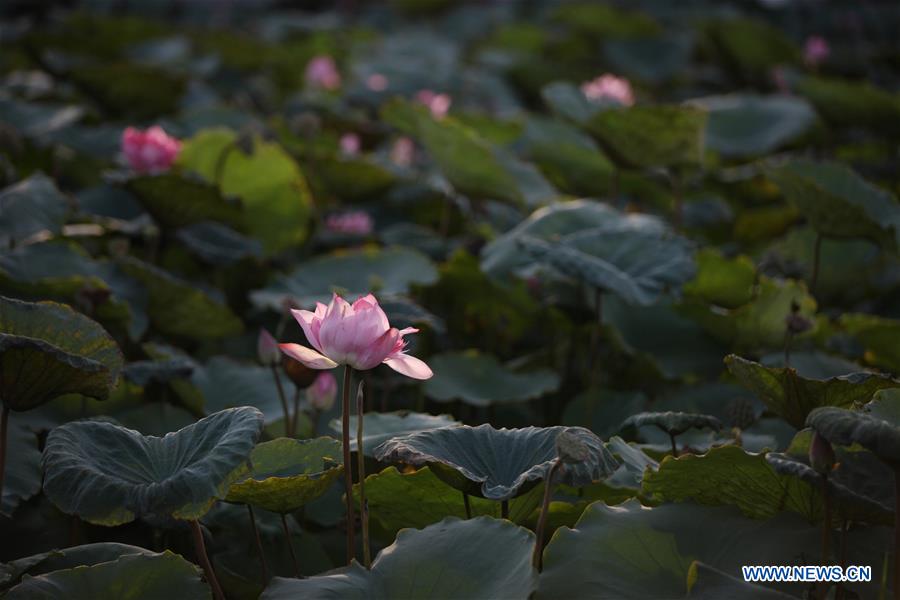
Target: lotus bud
[(795, 322), (267, 349), (322, 72), (323, 391), (821, 454), (815, 50), (609, 88), (571, 449), (300, 374), (150, 151)]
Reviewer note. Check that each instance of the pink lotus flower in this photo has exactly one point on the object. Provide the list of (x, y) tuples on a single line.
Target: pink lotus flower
[(350, 144), (402, 152), (150, 151), (267, 349), (323, 391), (321, 72), (815, 50), (377, 82), (357, 335), (609, 88), (353, 223), (438, 104)]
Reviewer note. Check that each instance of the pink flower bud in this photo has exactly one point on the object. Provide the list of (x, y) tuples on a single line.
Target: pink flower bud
[(377, 82), (150, 151), (402, 152), (815, 50), (323, 391), (438, 104), (821, 454), (321, 72), (267, 349), (609, 88), (350, 223), (350, 144)]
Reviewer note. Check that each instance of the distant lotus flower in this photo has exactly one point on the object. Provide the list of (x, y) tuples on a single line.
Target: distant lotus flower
[(323, 391), (779, 78), (350, 144), (358, 335), (150, 151), (377, 82), (815, 50), (609, 88), (403, 151), (352, 223), (267, 349), (438, 104), (321, 72)]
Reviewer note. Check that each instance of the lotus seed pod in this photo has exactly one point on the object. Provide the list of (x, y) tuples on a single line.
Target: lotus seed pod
[(300, 374)]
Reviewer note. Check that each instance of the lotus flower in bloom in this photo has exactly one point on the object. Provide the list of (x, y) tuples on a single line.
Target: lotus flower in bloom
[(815, 50), (321, 72), (352, 223), (150, 151), (350, 144), (358, 335), (323, 391), (608, 88), (438, 104), (403, 151)]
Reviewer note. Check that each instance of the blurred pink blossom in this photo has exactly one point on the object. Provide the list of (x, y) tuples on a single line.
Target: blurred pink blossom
[(377, 82), (403, 151), (352, 223), (608, 87), (150, 151), (438, 104), (267, 348), (323, 391), (358, 335), (815, 50), (321, 72), (350, 144)]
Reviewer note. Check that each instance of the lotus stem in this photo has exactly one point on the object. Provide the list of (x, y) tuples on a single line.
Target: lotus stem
[(259, 546), (284, 404), (361, 475), (674, 445), (504, 509), (826, 533), (538, 558), (817, 251), (467, 505), (200, 549), (296, 416), (290, 544), (4, 422), (348, 474), (788, 338)]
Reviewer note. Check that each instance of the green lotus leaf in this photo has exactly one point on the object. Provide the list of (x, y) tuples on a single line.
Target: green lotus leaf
[(36, 120), (380, 427), (110, 475), (878, 335), (747, 125), (840, 203), (285, 473), (218, 244), (48, 350), (652, 59), (145, 372), (728, 475), (631, 551), (178, 201), (673, 423), (178, 308), (792, 396), (751, 47), (22, 478), (30, 206), (848, 427), (853, 103), (603, 21), (885, 405), (568, 101), (497, 464), (138, 576), (354, 180), (709, 583), (651, 136), (476, 558), (351, 273), (398, 500), (480, 380), (726, 282), (635, 463), (128, 90)]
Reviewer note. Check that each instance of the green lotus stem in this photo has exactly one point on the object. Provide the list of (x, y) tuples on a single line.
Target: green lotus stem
[(504, 509), (290, 544), (200, 549), (259, 546), (817, 251), (467, 505), (674, 445), (296, 416), (4, 421), (284, 404), (348, 474), (361, 475), (538, 558)]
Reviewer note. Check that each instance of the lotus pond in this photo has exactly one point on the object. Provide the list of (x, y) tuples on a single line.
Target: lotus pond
[(432, 299)]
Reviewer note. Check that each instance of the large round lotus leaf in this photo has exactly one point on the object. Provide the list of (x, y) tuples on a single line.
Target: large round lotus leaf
[(227, 383), (497, 464), (176, 201), (36, 120), (653, 59), (476, 558), (48, 350), (354, 180), (878, 335), (285, 473), (651, 136), (726, 282), (218, 244), (730, 476), (637, 267), (417, 499), (568, 101), (750, 46), (847, 427), (110, 475), (22, 478), (853, 103), (138, 576), (751, 125), (792, 396), (351, 274), (708, 583), (674, 423), (885, 405), (180, 309), (504, 255), (631, 551), (66, 558), (30, 206), (380, 427), (480, 380), (838, 202)]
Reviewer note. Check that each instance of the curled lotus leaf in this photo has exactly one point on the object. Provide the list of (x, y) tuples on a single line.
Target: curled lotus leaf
[(848, 427), (674, 423)]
